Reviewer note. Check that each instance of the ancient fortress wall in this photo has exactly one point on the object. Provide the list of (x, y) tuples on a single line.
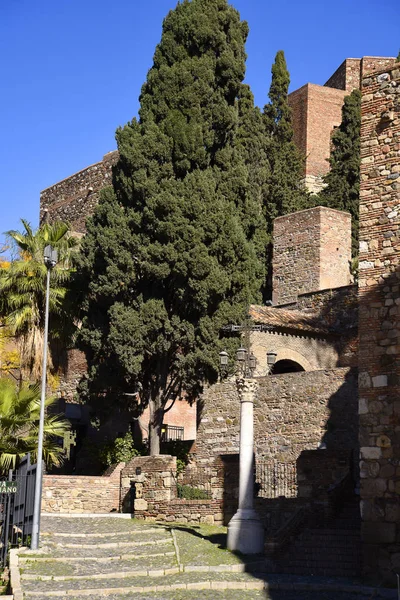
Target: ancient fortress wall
[(292, 412), (312, 250), (73, 199), (352, 70), (379, 322)]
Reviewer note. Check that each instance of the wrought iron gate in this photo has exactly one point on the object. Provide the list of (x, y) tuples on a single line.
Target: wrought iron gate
[(16, 507)]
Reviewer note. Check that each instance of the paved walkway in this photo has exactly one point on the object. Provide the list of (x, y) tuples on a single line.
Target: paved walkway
[(117, 559)]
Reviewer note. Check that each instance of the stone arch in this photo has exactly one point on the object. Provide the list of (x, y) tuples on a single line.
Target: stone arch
[(289, 354)]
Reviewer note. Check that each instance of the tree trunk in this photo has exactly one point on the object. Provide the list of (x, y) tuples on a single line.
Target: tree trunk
[(155, 424)]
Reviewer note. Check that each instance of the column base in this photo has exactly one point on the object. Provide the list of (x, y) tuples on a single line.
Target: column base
[(246, 532)]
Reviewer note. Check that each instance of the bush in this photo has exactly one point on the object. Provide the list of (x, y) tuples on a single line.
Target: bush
[(191, 493), (120, 450)]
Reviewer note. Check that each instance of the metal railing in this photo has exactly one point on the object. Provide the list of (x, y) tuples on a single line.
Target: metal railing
[(16, 507), (171, 433), (275, 479), (194, 484)]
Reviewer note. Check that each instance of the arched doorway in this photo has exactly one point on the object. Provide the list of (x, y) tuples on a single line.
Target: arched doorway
[(286, 366)]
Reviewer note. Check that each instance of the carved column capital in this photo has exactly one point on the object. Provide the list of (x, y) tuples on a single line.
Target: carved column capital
[(247, 389)]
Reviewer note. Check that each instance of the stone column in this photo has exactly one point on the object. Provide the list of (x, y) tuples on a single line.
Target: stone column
[(245, 530)]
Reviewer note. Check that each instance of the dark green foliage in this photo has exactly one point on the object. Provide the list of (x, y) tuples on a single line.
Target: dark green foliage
[(121, 449), (285, 193), (342, 189), (174, 250), (398, 57)]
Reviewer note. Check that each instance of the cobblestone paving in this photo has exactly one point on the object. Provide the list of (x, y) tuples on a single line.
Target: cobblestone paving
[(120, 558)]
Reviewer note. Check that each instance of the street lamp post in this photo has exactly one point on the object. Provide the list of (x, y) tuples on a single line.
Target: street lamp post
[(245, 530), (50, 260)]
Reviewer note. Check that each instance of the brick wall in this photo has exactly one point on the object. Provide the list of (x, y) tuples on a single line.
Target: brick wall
[(347, 76), (379, 322), (182, 414), (74, 494), (73, 199), (312, 250), (316, 111)]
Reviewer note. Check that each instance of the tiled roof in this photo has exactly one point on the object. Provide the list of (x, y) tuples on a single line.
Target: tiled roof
[(289, 319)]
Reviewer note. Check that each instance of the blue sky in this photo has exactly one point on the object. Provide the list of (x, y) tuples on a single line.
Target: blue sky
[(71, 72)]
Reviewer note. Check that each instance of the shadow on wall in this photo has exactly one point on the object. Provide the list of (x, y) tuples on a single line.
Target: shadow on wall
[(327, 479)]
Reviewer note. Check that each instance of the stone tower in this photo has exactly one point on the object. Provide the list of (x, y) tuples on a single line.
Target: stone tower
[(312, 251)]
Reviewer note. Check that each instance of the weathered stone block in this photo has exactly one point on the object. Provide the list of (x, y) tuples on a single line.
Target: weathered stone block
[(140, 504)]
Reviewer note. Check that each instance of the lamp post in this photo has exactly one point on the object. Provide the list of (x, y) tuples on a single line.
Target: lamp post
[(245, 530), (50, 260)]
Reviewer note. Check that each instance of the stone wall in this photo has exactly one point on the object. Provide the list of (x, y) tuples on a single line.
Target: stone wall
[(293, 412), (149, 491), (379, 322), (352, 70), (312, 251), (310, 352), (74, 494), (73, 199)]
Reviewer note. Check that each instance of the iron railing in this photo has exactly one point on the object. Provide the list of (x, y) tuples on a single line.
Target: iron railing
[(171, 433), (275, 479), (194, 484), (16, 507)]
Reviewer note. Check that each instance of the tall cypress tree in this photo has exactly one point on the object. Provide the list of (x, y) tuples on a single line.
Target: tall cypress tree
[(342, 189), (286, 193), (172, 252)]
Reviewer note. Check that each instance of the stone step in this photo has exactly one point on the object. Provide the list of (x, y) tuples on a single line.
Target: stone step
[(133, 532), (143, 565), (36, 558), (102, 550), (112, 585)]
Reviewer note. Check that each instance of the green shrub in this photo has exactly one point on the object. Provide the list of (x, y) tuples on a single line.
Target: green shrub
[(191, 493), (119, 450)]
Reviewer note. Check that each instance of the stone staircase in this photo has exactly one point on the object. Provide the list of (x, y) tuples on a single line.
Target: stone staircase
[(122, 558), (84, 558), (331, 550)]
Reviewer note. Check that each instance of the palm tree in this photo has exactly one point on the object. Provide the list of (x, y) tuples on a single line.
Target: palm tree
[(23, 288), (19, 426)]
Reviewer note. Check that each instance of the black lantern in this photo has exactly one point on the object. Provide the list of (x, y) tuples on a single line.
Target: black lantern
[(271, 359)]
